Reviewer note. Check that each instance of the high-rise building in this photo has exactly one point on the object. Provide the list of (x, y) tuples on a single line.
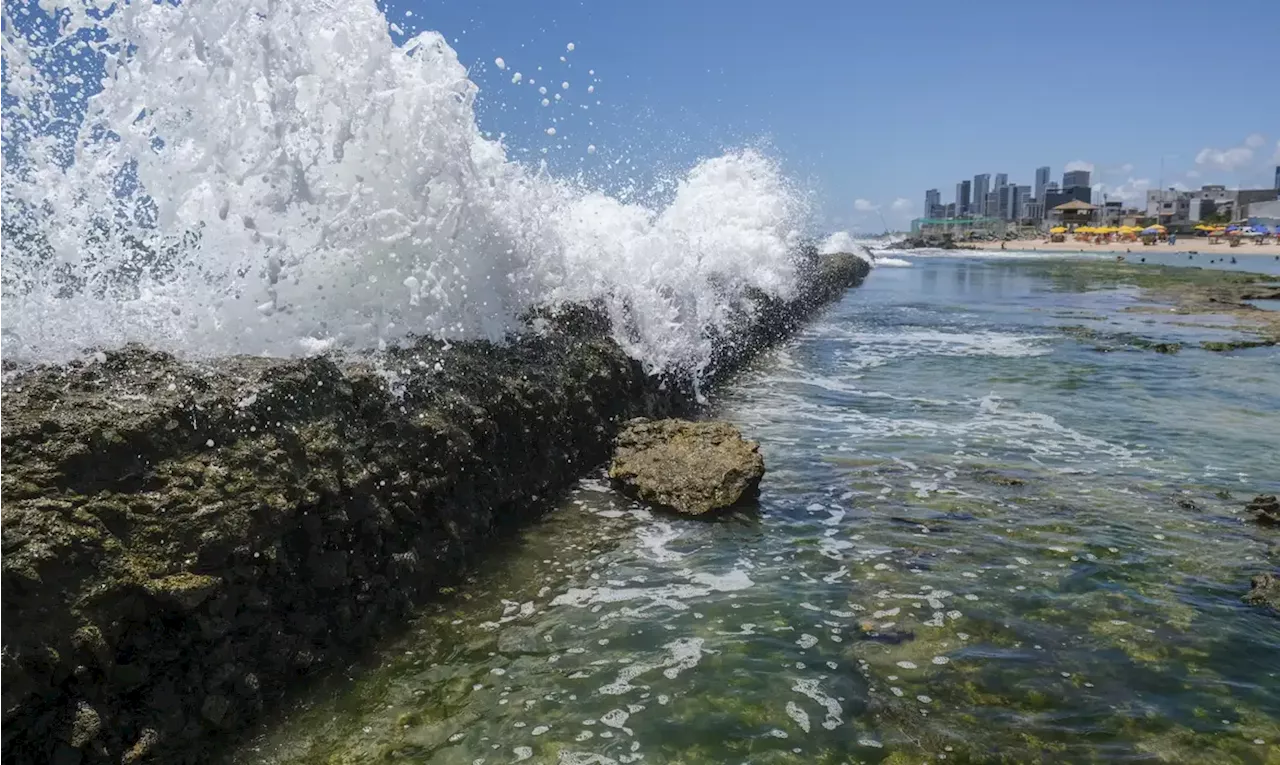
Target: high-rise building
[(1002, 179), (991, 204), (1073, 178), (1005, 201), (1042, 180), (962, 197), (932, 200), (981, 185), (1277, 177), (949, 210), (1021, 201)]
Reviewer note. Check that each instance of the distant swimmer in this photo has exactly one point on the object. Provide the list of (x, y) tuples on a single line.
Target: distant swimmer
[(1233, 258)]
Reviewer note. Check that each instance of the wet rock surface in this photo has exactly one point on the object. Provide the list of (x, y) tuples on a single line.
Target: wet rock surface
[(184, 540), (1265, 509), (690, 467), (1264, 591)]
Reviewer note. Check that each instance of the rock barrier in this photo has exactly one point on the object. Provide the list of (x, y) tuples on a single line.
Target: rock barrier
[(183, 540)]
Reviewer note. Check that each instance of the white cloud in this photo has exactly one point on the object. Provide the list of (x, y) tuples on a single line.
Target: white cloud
[(1126, 168), (1235, 157), (1225, 159), (901, 205), (1193, 173), (1131, 192), (865, 205), (1079, 164)]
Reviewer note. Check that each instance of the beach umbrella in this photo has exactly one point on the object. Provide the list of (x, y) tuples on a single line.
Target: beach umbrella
[(1058, 230), (1232, 227), (1152, 230)]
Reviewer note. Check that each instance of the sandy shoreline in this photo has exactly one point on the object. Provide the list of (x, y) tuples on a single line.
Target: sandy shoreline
[(1194, 244)]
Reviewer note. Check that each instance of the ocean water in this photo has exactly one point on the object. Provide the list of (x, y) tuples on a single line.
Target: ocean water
[(980, 539)]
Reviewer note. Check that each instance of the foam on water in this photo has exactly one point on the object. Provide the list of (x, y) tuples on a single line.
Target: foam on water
[(284, 179)]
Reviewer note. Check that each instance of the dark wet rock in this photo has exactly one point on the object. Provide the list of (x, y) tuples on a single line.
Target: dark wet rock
[(1000, 478), (690, 467), (184, 590), (182, 540), (1264, 591), (1265, 509), (1106, 342), (1187, 503), (1222, 346), (869, 631), (945, 242)]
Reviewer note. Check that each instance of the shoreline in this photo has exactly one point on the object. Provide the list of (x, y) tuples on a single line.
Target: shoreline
[(1194, 245)]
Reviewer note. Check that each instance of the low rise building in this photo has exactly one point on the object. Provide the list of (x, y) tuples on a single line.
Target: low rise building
[(1073, 213)]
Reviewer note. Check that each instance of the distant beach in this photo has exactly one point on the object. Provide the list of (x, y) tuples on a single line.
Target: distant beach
[(1188, 245)]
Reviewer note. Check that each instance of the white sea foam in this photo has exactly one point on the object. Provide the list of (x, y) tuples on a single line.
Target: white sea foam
[(893, 262), (324, 187), (681, 654)]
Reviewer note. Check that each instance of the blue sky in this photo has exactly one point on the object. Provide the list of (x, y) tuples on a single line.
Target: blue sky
[(869, 104), (878, 101)]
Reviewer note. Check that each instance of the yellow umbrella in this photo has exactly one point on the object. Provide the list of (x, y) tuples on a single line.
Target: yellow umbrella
[(1202, 227), (1084, 230), (1157, 227), (1058, 230)]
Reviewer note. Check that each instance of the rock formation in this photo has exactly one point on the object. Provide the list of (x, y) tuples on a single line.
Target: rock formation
[(690, 467)]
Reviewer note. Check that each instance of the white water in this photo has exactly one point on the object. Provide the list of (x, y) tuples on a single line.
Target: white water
[(344, 196)]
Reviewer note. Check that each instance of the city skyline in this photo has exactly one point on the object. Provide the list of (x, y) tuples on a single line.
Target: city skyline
[(1007, 200)]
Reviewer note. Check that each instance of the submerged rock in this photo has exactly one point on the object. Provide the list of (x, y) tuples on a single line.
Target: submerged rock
[(1264, 591), (1265, 509), (690, 467)]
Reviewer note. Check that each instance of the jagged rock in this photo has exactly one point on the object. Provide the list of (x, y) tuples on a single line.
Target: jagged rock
[(1265, 509), (183, 590), (86, 725), (1264, 591), (690, 467), (141, 748)]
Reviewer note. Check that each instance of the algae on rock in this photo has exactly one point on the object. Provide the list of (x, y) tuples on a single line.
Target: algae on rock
[(690, 467)]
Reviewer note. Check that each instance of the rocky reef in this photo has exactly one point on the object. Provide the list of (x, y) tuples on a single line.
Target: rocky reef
[(183, 540), (690, 467)]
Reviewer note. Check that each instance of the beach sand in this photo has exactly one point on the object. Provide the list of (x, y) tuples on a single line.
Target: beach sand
[(1192, 244)]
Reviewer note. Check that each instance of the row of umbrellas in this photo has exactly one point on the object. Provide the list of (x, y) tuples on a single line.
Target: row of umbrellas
[(1156, 230), (1103, 230), (1255, 230)]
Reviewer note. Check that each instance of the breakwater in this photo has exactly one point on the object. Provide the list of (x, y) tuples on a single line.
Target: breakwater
[(185, 539)]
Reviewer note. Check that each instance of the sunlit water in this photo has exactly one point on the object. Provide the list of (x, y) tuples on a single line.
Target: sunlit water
[(979, 540)]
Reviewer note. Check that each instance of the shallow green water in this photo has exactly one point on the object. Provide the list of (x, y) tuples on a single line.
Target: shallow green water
[(981, 539)]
